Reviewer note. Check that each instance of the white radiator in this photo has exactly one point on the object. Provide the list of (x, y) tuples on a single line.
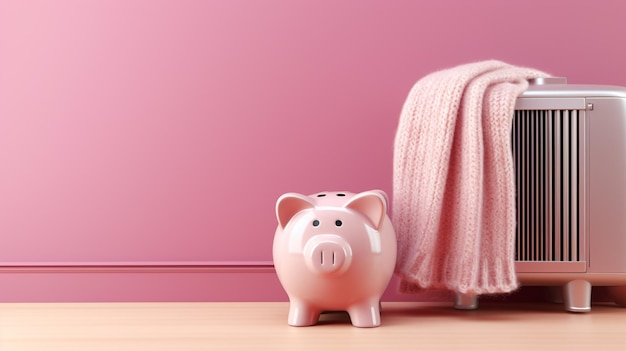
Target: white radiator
[(569, 147)]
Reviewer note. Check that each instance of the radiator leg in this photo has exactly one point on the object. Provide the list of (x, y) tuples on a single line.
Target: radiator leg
[(465, 301), (577, 296)]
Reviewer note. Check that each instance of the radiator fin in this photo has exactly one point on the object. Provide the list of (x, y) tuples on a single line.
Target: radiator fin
[(547, 162)]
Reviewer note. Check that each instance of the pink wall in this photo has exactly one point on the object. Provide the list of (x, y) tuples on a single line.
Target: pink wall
[(152, 131)]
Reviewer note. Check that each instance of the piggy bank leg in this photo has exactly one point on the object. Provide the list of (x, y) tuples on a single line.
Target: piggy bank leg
[(365, 314), (302, 314)]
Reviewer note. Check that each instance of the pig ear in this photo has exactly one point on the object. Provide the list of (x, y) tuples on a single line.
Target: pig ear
[(372, 204), (289, 204)]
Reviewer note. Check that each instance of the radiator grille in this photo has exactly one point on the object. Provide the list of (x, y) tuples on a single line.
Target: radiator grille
[(546, 146)]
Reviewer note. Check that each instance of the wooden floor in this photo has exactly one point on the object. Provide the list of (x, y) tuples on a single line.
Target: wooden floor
[(263, 326)]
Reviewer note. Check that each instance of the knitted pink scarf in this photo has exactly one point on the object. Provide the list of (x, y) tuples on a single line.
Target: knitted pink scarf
[(453, 182)]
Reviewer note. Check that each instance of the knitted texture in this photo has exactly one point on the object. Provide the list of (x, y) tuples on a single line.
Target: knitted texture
[(453, 182)]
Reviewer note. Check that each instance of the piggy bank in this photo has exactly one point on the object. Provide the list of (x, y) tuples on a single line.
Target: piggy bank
[(334, 251)]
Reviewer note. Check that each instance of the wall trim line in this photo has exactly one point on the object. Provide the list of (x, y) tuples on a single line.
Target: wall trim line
[(139, 267)]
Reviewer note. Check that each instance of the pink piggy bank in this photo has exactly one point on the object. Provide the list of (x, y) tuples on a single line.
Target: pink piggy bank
[(334, 251)]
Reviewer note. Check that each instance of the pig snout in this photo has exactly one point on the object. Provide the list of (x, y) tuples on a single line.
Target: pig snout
[(327, 254)]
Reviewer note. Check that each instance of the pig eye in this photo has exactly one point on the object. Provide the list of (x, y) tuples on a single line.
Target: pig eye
[(341, 194), (321, 195), (316, 223), (338, 223)]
